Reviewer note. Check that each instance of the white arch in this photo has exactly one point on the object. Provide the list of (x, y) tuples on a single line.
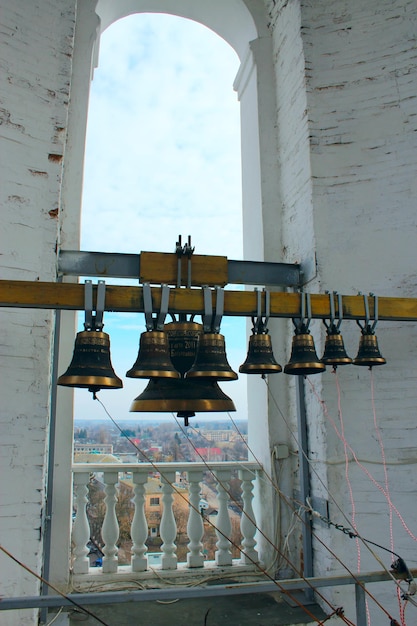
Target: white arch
[(243, 24), (230, 19)]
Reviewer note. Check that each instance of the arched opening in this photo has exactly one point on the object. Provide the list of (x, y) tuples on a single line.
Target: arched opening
[(162, 158), (247, 32), (163, 140)]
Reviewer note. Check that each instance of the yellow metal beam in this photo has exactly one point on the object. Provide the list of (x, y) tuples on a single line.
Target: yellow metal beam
[(47, 295)]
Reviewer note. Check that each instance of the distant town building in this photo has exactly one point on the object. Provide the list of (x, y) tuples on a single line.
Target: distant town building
[(95, 457), (93, 448), (208, 454), (223, 435)]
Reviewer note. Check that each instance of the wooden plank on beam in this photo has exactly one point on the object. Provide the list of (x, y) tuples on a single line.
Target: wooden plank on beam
[(46, 295), (158, 268)]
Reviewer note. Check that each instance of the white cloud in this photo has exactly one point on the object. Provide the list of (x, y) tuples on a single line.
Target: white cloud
[(163, 149)]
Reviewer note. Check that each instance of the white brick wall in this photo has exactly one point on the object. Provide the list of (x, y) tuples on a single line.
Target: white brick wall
[(347, 105), (36, 49)]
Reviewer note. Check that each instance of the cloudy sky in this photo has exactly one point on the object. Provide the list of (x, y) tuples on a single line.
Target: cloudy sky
[(162, 159)]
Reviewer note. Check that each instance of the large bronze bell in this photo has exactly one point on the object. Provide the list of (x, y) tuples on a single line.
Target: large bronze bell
[(334, 351), (304, 360), (211, 360), (260, 358), (368, 353), (91, 366), (153, 357), (184, 396)]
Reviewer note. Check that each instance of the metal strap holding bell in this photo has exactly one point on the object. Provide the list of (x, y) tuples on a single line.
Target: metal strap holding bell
[(260, 323), (212, 317), (155, 323), (94, 321)]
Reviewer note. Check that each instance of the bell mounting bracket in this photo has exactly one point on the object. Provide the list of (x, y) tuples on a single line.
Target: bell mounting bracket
[(184, 251), (333, 327), (302, 323), (368, 328), (94, 321), (155, 323), (260, 323), (212, 317)]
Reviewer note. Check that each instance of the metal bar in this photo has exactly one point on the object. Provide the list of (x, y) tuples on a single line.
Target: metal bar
[(109, 264), (88, 305), (360, 600), (117, 597), (51, 463), (78, 468), (100, 264), (48, 295), (308, 570), (101, 299), (263, 273)]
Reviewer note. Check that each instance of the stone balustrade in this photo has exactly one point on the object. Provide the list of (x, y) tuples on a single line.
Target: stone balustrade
[(179, 490)]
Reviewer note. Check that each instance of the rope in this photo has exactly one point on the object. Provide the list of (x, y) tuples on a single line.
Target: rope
[(358, 462), (255, 563), (254, 522), (386, 481), (322, 403), (348, 482), (352, 500), (46, 582)]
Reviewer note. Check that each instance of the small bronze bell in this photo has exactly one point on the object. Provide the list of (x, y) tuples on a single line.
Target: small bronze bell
[(368, 353), (211, 360), (153, 358), (91, 366), (260, 358), (304, 360), (334, 350)]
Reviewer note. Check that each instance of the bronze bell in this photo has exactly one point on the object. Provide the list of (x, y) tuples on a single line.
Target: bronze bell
[(183, 338), (91, 366), (304, 360), (260, 358), (368, 353), (153, 357), (334, 350), (184, 396), (211, 360)]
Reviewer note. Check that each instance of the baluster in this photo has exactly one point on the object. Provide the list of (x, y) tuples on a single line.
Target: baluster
[(168, 527), (110, 528), (195, 526), (139, 529), (223, 553), (81, 527), (247, 521)]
